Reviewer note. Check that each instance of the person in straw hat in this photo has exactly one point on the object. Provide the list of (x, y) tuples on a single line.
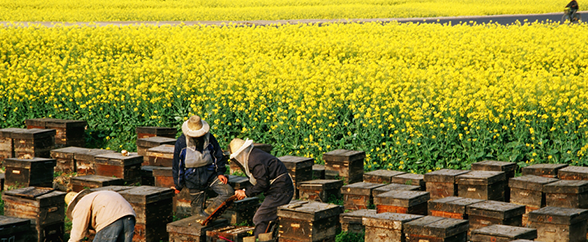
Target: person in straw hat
[(106, 212), (199, 165), (267, 174)]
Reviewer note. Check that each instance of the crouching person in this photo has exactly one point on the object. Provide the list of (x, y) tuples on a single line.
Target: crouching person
[(267, 174)]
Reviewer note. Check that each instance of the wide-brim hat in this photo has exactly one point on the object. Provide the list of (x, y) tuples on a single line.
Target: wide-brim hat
[(195, 127), (73, 200), (238, 145)]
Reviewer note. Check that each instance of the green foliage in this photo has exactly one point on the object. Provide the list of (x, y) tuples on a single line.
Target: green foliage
[(350, 237), (335, 200)]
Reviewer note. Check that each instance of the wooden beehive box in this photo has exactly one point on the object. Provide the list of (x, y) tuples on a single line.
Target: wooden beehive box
[(381, 176), (486, 213), (573, 173), (442, 183), (487, 185), (147, 178), (79, 183), (451, 207), (162, 155), (394, 187), (385, 227), (308, 221), (411, 202), (65, 158), (154, 208), (67, 132), (544, 170), (115, 164), (567, 193), (150, 131), (431, 228), (144, 144), (358, 195), (509, 169), (183, 203), (239, 182), (300, 169), (13, 229), (528, 191), (352, 221), (411, 179), (188, 229), (232, 233), (347, 164), (502, 233), (559, 224), (86, 160), (6, 143), (112, 188), (320, 190), (29, 172), (318, 172), (242, 211), (43, 206), (33, 143), (163, 177)]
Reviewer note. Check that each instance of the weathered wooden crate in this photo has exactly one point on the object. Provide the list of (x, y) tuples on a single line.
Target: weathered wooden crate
[(190, 230), (33, 142), (347, 164), (431, 228), (242, 211), (232, 233), (528, 191), (13, 229), (163, 177), (487, 185), (509, 169), (239, 182), (147, 178), (411, 179), (559, 224), (567, 193), (299, 168), (144, 144), (150, 131), (394, 187), (451, 207), (385, 227), (358, 195), (234, 167), (86, 160), (320, 190), (162, 155), (487, 213), (318, 172), (115, 164), (308, 221), (29, 172), (182, 203), (67, 132), (6, 143), (502, 233), (154, 208), (544, 170), (442, 183), (411, 202), (65, 158), (43, 206), (352, 221), (381, 176), (573, 173), (79, 183)]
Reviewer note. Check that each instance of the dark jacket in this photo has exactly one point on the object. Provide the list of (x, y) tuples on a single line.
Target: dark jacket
[(573, 5), (179, 171), (265, 167)]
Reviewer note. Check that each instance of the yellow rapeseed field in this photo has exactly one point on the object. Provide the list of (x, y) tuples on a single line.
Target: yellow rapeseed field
[(414, 97), (185, 10)]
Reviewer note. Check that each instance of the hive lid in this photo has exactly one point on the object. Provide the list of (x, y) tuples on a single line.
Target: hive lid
[(147, 194), (530, 182), (543, 169), (190, 226), (566, 186), (360, 188), (558, 215), (309, 210), (26, 163), (155, 141), (326, 184), (573, 173), (393, 221), (155, 130), (96, 178), (438, 227), (492, 165), (452, 204), (341, 155), (11, 225), (481, 178), (495, 209), (112, 188), (44, 195), (444, 175), (117, 158), (32, 133), (505, 231), (296, 162), (397, 187), (402, 198), (165, 149), (7, 132)]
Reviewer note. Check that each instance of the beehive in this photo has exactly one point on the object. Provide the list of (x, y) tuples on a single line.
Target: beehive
[(65, 158), (486, 185), (385, 227), (573, 173), (509, 168), (308, 221), (86, 160), (29, 172), (502, 233), (93, 181), (346, 164), (242, 211), (153, 208), (451, 207), (144, 144), (431, 228), (358, 195), (299, 168), (188, 229), (487, 213), (352, 221), (162, 155), (567, 193), (559, 224), (528, 191), (14, 229), (442, 183), (150, 131), (33, 142), (544, 170), (320, 190), (147, 178), (6, 143), (232, 233), (318, 172), (411, 202), (115, 164), (67, 132), (239, 182), (394, 187), (411, 179), (163, 176), (381, 176)]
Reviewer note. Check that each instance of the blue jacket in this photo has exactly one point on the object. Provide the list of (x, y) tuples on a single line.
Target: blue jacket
[(181, 173)]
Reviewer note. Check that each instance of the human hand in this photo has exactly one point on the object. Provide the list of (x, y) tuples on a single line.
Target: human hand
[(223, 179), (240, 194), (176, 191)]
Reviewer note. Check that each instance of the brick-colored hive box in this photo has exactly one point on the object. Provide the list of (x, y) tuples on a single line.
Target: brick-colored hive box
[(573, 173), (394, 187), (411, 179), (93, 181), (442, 183), (381, 176), (188, 229), (385, 227), (320, 190), (154, 209), (544, 170), (486, 213), (346, 164), (451, 207), (487, 185), (65, 158), (29, 172), (431, 228), (358, 195), (567, 193), (163, 177), (411, 202), (352, 221), (150, 131), (318, 171), (162, 155), (150, 142), (43, 206), (502, 233), (33, 142), (308, 221), (299, 168), (559, 224), (14, 229), (229, 233), (121, 166), (528, 191), (86, 160), (67, 132)]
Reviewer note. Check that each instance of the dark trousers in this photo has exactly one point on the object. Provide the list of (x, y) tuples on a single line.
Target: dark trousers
[(268, 211), (121, 230), (198, 195)]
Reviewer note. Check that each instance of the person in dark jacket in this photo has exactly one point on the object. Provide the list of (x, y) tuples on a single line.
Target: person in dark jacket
[(199, 165), (267, 174), (573, 5)]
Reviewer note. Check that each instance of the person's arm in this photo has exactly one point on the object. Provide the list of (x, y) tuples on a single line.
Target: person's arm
[(221, 160), (81, 219), (260, 174), (176, 163)]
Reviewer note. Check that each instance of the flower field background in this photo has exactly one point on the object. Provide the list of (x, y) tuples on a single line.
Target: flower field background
[(186, 10), (414, 97)]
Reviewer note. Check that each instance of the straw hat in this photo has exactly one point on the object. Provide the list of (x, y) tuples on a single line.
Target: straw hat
[(70, 196), (238, 145), (195, 127), (72, 199)]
